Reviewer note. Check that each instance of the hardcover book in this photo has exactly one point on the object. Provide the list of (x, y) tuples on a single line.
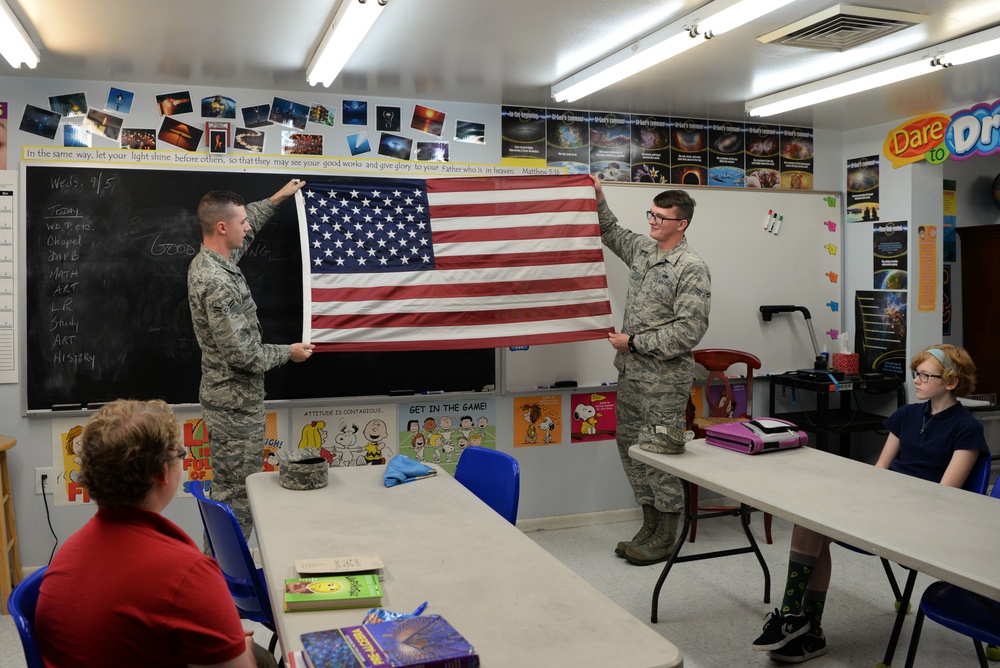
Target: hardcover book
[(427, 641), (332, 592)]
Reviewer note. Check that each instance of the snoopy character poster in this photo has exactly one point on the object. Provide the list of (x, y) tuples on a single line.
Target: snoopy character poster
[(537, 420)]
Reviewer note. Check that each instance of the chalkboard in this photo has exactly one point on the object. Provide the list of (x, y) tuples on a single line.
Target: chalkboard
[(106, 253), (750, 267)]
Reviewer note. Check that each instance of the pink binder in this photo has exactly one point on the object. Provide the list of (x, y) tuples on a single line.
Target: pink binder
[(756, 436)]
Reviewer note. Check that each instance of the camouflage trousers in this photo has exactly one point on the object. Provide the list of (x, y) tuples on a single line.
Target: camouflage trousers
[(237, 442), (649, 404)]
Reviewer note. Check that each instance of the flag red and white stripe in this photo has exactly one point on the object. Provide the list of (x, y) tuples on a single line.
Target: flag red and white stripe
[(409, 264)]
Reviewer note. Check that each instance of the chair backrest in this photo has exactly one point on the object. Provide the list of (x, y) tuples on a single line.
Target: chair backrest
[(979, 477), (717, 361), (493, 476), (225, 538), (22, 603)]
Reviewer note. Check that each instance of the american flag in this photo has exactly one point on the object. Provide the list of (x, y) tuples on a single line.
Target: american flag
[(449, 263)]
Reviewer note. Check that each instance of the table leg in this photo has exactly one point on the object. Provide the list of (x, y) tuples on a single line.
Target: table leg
[(897, 627), (678, 543), (745, 522), (691, 513), (845, 436)]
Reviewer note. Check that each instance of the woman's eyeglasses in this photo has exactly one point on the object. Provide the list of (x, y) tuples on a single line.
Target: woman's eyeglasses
[(924, 377)]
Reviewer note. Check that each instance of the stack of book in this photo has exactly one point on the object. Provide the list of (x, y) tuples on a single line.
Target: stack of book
[(335, 582)]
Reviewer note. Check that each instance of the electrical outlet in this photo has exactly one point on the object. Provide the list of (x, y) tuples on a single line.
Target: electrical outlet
[(49, 480)]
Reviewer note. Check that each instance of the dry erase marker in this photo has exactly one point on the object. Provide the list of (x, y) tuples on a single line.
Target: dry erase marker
[(777, 225), (774, 219), (767, 221)]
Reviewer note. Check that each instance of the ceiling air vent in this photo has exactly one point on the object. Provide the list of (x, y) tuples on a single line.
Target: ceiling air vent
[(842, 27)]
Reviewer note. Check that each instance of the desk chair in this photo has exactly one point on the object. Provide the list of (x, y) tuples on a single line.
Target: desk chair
[(493, 476), (21, 605), (977, 482), (717, 361), (245, 581), (959, 610)]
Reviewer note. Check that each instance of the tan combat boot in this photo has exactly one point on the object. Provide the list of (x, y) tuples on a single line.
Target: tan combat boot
[(659, 546), (650, 520)]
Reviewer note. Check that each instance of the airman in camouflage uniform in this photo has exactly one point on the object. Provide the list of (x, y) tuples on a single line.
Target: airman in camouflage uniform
[(233, 358), (666, 315)]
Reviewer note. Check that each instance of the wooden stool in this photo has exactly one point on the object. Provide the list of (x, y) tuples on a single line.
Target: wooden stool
[(10, 567)]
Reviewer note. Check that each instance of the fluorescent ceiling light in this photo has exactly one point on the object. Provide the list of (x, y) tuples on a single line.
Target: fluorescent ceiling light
[(981, 45), (719, 17), (352, 22), (15, 45)]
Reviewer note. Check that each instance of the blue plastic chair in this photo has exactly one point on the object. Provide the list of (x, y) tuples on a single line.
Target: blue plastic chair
[(959, 610), (494, 477), (977, 482), (21, 604), (246, 582)]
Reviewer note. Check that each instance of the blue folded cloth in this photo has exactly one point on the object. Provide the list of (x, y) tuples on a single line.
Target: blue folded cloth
[(402, 469)]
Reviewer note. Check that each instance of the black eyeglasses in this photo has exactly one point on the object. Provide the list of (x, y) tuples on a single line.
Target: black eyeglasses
[(924, 377), (650, 215)]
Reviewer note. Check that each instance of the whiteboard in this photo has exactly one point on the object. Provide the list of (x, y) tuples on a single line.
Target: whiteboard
[(801, 266)]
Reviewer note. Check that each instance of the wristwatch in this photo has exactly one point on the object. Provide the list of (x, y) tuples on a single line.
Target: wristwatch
[(631, 344)]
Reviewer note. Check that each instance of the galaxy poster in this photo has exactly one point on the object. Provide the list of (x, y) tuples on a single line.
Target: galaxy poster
[(880, 331), (796, 158), (689, 152), (609, 146), (567, 141), (522, 133), (725, 154), (862, 189), (889, 248), (762, 162), (650, 149)]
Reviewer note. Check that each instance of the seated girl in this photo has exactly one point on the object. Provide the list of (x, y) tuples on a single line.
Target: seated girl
[(936, 439)]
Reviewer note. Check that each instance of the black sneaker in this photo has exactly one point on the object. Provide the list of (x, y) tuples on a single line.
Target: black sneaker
[(803, 648), (780, 629)]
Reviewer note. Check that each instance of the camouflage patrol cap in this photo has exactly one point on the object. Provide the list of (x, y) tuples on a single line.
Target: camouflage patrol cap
[(311, 473), (663, 439)]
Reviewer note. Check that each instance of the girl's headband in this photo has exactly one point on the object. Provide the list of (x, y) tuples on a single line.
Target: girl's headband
[(942, 358)]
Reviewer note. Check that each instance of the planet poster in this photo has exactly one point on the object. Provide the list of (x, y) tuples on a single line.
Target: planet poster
[(889, 246)]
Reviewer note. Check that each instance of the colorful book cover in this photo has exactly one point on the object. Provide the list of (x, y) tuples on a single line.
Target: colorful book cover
[(332, 592), (427, 641)]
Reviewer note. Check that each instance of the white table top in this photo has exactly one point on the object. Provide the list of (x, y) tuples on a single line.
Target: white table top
[(947, 533), (517, 604)]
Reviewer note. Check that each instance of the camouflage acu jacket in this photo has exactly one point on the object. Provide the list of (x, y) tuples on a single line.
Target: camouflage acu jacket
[(233, 358), (667, 303)]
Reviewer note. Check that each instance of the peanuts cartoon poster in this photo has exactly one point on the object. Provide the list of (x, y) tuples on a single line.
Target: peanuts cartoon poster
[(346, 435), (440, 430), (537, 420), (593, 417), (67, 436), (196, 439), (64, 484)]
